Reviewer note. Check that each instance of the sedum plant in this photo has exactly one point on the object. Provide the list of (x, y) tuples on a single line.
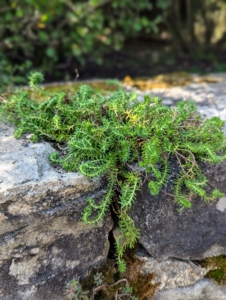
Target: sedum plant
[(74, 291), (122, 139)]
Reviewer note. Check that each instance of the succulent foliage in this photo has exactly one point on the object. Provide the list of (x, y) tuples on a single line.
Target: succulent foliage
[(74, 291), (122, 138)]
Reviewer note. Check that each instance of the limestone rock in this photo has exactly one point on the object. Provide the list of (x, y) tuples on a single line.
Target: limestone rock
[(43, 241), (170, 273), (204, 289), (194, 233)]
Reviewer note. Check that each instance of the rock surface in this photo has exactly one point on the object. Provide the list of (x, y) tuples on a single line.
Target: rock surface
[(194, 233), (210, 98), (43, 241), (204, 289), (170, 273)]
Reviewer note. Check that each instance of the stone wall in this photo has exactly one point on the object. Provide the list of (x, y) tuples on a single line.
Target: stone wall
[(43, 241)]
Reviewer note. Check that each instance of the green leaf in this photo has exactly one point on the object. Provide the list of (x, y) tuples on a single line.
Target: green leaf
[(19, 13), (51, 52), (137, 25), (43, 36)]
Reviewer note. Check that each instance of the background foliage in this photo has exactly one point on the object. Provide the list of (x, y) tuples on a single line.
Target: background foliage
[(58, 35), (51, 35)]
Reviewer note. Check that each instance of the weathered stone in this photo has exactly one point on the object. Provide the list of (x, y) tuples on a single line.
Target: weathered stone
[(170, 273), (43, 241), (204, 289), (194, 233)]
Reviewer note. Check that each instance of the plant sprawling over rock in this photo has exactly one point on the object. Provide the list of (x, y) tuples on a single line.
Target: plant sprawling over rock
[(122, 139)]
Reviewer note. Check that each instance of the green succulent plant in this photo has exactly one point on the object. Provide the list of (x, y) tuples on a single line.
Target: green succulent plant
[(121, 138), (98, 278), (74, 291)]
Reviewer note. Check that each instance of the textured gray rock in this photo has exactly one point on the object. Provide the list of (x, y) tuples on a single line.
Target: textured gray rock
[(210, 96), (204, 289), (194, 233), (43, 241), (170, 273)]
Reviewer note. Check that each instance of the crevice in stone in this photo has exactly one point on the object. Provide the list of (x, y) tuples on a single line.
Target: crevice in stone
[(111, 239)]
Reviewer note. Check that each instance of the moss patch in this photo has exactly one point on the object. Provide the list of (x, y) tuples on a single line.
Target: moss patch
[(117, 283), (72, 87), (102, 87), (141, 283), (217, 265)]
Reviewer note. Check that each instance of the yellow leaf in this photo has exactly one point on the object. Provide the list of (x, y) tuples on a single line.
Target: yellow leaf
[(43, 18), (127, 79), (41, 25)]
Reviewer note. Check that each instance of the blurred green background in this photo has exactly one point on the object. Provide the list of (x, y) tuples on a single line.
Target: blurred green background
[(109, 39)]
